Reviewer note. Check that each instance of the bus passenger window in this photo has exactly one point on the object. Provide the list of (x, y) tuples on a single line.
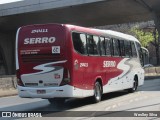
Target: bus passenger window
[(122, 48), (108, 46), (93, 45), (134, 53), (79, 42), (116, 47), (96, 45), (90, 44), (102, 45), (140, 53), (127, 45)]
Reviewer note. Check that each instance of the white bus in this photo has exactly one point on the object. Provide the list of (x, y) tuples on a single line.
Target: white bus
[(59, 61)]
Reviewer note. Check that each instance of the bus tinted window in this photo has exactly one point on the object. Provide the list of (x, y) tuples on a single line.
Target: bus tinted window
[(79, 42), (102, 45), (90, 44), (116, 47), (122, 48), (140, 53), (108, 46), (93, 42), (96, 45), (127, 45), (134, 53)]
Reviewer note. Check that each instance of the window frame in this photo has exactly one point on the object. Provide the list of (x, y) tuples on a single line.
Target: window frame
[(110, 47), (104, 47), (113, 49), (93, 46), (111, 39), (130, 53), (133, 42), (120, 47), (73, 42)]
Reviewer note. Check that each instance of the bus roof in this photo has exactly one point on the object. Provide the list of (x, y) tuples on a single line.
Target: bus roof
[(110, 33), (120, 35)]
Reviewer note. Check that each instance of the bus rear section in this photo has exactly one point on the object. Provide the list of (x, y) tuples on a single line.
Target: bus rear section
[(41, 62)]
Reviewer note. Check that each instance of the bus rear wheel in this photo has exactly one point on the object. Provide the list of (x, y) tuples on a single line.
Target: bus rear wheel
[(97, 92)]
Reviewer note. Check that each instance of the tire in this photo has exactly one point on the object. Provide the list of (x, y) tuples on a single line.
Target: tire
[(97, 92), (56, 101), (135, 85)]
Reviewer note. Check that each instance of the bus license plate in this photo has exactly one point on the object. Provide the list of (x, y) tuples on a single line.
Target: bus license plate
[(41, 91)]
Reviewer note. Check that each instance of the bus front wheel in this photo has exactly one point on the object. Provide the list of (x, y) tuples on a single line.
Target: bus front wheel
[(135, 85), (97, 92)]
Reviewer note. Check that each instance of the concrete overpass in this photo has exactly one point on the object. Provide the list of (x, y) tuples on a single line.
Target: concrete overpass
[(79, 12)]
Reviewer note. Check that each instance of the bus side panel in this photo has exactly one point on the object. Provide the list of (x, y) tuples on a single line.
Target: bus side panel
[(116, 75), (89, 71), (76, 76)]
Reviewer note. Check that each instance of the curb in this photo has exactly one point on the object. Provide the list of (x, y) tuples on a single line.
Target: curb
[(152, 77), (10, 92)]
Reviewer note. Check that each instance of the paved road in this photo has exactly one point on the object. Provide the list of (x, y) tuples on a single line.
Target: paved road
[(147, 98)]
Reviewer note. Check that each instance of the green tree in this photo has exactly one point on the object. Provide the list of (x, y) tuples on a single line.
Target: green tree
[(144, 37)]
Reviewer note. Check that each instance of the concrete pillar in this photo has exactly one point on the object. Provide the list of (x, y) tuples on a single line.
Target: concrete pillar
[(156, 18), (7, 45)]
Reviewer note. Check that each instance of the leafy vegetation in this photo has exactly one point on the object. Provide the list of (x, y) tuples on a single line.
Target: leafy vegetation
[(144, 37)]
